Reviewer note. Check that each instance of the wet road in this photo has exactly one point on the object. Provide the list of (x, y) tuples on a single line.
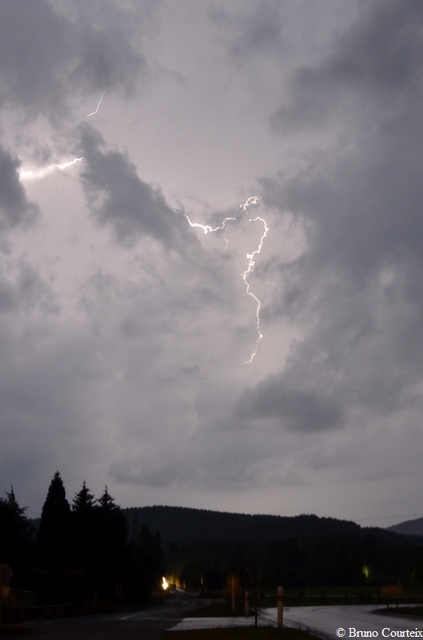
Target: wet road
[(345, 621), (148, 624)]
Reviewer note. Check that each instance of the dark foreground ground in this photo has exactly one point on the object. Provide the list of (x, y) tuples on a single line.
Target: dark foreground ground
[(148, 624)]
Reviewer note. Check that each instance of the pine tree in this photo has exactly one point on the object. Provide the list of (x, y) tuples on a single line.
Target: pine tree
[(84, 539), (107, 502), (83, 501), (15, 539), (111, 535), (53, 548)]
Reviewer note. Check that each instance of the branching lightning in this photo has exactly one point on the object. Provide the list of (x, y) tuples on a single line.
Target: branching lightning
[(247, 272), (251, 257), (38, 174), (206, 227), (94, 113), (251, 200)]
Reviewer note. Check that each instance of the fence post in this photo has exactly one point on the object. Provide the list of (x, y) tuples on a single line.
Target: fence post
[(280, 607)]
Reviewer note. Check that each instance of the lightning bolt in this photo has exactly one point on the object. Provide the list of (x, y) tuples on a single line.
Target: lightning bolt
[(247, 272), (38, 174), (206, 227), (94, 113), (251, 257), (251, 200)]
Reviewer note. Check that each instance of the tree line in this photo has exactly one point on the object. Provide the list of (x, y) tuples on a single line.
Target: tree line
[(83, 549), (203, 547), (350, 562)]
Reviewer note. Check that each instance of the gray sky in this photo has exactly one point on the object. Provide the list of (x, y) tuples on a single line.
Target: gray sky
[(130, 350)]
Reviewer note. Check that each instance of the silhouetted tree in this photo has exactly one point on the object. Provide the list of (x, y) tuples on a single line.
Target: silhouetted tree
[(15, 539), (83, 501), (53, 547), (84, 535), (111, 537)]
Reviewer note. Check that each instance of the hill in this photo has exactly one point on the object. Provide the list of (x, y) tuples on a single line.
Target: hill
[(185, 525), (408, 527)]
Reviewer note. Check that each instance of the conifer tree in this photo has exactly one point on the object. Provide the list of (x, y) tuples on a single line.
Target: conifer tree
[(111, 532), (84, 538), (53, 548), (83, 501), (15, 540)]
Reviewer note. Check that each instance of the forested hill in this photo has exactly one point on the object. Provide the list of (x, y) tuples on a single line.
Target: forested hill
[(184, 525), (409, 527)]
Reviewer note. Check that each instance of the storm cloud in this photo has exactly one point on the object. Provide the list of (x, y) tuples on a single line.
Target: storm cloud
[(54, 53), (358, 283), (15, 209), (119, 197), (151, 336)]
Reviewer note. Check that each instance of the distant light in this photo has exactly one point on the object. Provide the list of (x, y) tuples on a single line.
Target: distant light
[(165, 584)]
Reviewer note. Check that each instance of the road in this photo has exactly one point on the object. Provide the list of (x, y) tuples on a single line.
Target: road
[(148, 624), (325, 621)]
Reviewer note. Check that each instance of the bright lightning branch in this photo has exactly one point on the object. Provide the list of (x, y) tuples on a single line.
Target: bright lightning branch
[(251, 257)]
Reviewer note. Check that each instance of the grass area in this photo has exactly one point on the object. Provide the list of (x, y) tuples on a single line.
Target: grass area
[(240, 633)]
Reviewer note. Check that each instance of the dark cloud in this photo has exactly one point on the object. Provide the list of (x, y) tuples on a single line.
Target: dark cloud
[(213, 459), (46, 388), (258, 31), (294, 409), (15, 209), (120, 198), (356, 289), (25, 290), (373, 62), (51, 54)]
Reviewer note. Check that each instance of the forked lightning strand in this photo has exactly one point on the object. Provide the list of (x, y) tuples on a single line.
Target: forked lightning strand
[(250, 257), (251, 200), (37, 174), (94, 113), (250, 269), (206, 227)]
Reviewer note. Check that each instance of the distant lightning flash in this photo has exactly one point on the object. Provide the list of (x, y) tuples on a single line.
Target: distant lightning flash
[(38, 174), (94, 113), (252, 200)]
